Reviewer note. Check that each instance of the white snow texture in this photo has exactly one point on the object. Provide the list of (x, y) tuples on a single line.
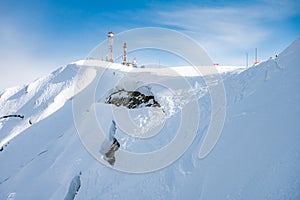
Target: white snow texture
[(256, 157)]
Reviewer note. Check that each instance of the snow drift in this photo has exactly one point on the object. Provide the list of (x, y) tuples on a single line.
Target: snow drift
[(256, 157)]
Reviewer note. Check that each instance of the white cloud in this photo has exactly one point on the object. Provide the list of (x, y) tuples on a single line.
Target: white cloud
[(225, 32), (234, 29)]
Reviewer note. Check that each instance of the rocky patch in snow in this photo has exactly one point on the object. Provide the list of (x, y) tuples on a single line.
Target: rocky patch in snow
[(74, 187), (131, 99)]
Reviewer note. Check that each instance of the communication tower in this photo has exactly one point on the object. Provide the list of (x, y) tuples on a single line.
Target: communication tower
[(110, 46), (125, 53)]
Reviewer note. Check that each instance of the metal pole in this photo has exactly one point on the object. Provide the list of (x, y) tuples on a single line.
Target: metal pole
[(110, 47), (255, 55), (246, 59), (125, 52)]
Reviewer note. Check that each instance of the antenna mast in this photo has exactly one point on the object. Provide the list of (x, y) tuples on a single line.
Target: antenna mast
[(255, 55), (125, 53), (246, 59), (110, 46)]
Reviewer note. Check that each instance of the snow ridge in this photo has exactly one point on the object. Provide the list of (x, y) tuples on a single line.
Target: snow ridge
[(256, 157)]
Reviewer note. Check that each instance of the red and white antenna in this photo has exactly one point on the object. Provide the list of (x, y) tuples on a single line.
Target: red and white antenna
[(256, 61), (110, 48)]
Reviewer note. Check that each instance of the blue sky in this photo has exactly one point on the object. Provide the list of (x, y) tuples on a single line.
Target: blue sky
[(37, 37)]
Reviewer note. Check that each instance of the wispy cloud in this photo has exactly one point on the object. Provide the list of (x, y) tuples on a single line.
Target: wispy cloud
[(231, 28), (37, 38)]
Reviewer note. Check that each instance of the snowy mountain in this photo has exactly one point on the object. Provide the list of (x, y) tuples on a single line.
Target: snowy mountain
[(256, 157)]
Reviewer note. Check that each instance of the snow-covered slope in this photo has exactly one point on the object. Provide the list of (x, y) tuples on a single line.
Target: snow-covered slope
[(256, 157), (37, 100)]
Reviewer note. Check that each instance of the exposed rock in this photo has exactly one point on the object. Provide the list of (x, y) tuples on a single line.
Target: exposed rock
[(73, 188), (110, 155), (132, 99)]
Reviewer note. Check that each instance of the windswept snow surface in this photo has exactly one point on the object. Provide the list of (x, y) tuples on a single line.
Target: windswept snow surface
[(256, 157)]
